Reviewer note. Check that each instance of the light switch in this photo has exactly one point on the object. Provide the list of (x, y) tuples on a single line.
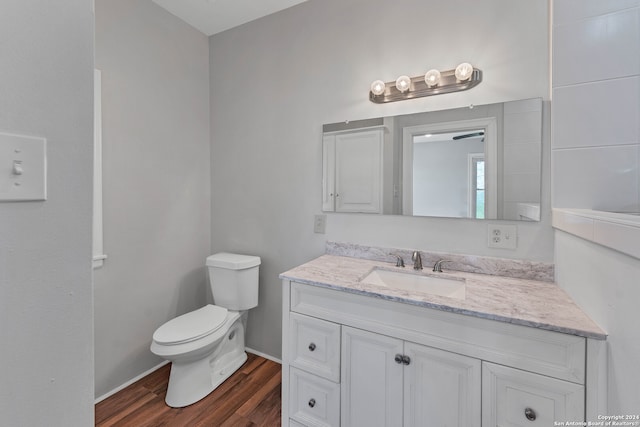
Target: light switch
[(23, 168)]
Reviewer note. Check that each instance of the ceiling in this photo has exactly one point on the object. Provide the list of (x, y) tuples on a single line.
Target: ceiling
[(215, 16)]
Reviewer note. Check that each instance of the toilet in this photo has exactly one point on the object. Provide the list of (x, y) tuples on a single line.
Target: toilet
[(206, 346)]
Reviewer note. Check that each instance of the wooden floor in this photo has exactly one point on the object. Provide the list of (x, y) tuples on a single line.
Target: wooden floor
[(249, 398)]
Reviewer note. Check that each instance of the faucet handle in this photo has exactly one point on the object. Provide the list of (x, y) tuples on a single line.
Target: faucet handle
[(399, 260), (437, 267)]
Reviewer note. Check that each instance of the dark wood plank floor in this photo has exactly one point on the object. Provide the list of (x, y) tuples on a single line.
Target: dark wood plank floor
[(249, 398)]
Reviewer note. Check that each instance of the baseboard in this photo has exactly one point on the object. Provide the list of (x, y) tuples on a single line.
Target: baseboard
[(128, 383), (261, 354)]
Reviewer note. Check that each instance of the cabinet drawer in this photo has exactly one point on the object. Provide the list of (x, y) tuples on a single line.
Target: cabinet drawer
[(511, 397), (315, 346), (313, 401)]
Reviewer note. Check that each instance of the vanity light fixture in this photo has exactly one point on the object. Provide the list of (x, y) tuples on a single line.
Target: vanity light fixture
[(434, 82)]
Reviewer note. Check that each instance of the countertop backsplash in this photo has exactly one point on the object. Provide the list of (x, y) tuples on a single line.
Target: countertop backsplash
[(521, 269)]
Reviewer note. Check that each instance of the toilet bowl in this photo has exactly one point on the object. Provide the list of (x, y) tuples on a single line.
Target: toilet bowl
[(206, 346)]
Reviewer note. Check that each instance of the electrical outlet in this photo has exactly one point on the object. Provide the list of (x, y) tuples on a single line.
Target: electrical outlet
[(319, 224), (502, 236)]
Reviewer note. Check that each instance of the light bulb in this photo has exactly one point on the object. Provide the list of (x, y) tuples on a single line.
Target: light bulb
[(432, 78), (403, 83), (377, 87), (464, 71)]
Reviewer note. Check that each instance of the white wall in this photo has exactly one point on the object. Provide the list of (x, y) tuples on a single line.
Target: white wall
[(155, 75), (596, 121), (596, 146), (275, 81), (46, 311), (605, 284)]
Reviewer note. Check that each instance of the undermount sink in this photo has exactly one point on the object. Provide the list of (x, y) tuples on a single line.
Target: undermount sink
[(414, 282)]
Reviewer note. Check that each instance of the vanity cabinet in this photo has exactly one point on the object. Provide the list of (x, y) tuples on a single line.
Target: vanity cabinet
[(377, 362), (352, 171)]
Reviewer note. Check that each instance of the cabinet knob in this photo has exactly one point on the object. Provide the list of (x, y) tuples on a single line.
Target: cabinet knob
[(398, 358), (312, 347), (530, 414), (406, 360), (312, 403)]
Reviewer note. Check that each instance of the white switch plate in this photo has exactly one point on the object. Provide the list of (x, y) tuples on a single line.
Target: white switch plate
[(502, 236), (23, 168), (319, 224)]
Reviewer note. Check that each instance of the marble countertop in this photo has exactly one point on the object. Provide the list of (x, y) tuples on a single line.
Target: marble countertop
[(524, 302)]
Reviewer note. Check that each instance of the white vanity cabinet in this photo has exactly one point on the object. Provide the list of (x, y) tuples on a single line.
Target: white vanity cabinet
[(377, 362), (352, 175)]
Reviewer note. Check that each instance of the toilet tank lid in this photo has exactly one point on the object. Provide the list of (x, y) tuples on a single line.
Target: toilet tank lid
[(232, 261)]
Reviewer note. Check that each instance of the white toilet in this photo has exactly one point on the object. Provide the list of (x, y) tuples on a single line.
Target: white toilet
[(206, 346)]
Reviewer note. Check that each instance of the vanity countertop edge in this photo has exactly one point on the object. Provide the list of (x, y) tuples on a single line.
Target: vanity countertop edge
[(532, 303)]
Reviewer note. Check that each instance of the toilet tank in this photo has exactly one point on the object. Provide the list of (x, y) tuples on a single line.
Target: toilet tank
[(234, 280)]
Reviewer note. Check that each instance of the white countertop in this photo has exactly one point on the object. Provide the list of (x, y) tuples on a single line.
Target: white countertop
[(525, 302)]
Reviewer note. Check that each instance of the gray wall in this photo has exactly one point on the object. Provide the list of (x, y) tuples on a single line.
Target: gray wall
[(596, 166), (275, 81), (46, 89), (155, 75)]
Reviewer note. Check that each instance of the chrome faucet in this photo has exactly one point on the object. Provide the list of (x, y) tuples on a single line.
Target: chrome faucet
[(417, 260), (437, 267), (399, 260)]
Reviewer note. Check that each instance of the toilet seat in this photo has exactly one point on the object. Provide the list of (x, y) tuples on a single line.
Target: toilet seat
[(191, 326)]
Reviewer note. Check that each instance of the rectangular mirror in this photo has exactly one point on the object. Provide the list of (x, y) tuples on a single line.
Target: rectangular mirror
[(481, 162)]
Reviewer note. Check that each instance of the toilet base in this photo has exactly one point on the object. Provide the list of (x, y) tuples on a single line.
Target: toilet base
[(192, 381)]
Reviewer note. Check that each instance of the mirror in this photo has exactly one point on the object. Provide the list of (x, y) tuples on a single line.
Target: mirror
[(481, 162)]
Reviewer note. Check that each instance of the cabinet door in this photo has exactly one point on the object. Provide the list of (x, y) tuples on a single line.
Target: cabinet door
[(441, 388), (371, 389), (358, 171), (514, 398)]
